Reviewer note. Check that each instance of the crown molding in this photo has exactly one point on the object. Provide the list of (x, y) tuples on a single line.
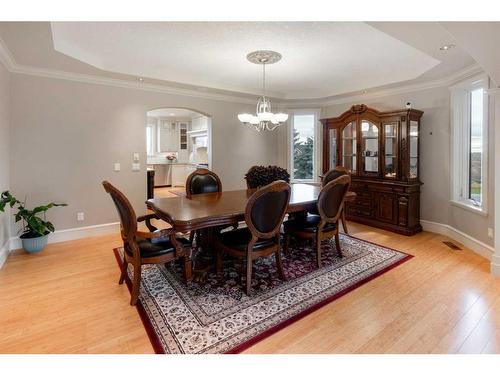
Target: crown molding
[(12, 66)]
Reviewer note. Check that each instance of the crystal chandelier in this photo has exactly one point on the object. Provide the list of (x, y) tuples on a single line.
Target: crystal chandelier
[(264, 119)]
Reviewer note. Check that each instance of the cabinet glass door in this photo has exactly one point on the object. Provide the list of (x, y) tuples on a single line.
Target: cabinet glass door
[(370, 147), (349, 147), (413, 149), (333, 148), (391, 150)]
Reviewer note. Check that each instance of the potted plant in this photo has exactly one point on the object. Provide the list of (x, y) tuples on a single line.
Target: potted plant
[(35, 229)]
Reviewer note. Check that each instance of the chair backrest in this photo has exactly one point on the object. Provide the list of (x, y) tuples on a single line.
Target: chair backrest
[(266, 209), (331, 198), (332, 174), (128, 219), (203, 181), (259, 176)]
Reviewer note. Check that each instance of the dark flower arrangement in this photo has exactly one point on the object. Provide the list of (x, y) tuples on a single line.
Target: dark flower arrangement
[(259, 176)]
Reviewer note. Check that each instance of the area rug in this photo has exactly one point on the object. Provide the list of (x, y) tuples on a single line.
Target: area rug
[(218, 317)]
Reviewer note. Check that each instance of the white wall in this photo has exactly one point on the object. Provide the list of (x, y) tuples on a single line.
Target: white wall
[(66, 136), (4, 157), (435, 159)]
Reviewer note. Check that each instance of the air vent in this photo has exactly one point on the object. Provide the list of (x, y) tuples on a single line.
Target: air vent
[(451, 245)]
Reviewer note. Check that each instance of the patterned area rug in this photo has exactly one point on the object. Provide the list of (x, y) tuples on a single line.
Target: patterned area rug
[(218, 317)]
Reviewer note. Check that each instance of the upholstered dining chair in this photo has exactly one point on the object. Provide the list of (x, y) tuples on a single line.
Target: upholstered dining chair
[(332, 175), (203, 181), (264, 215), (156, 246), (325, 224)]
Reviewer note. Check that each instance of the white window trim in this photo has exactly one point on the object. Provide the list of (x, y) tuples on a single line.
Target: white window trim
[(317, 143), (460, 115)]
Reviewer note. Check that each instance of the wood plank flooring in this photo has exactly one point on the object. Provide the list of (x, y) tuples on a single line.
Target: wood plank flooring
[(67, 300)]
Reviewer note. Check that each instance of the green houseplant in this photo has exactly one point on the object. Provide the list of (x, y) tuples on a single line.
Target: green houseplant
[(36, 228)]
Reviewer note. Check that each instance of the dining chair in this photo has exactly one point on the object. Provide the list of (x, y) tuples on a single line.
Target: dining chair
[(153, 247), (325, 224), (332, 175), (264, 215), (258, 175), (203, 181)]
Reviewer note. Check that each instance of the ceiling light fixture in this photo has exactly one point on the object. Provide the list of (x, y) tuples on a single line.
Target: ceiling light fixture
[(264, 119), (140, 79), (446, 47)]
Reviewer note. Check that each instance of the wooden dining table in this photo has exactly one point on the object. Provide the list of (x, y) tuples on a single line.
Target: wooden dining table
[(205, 211)]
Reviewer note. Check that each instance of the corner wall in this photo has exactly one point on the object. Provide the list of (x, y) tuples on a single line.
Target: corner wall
[(4, 158)]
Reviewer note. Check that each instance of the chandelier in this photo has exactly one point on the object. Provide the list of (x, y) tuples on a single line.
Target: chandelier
[(264, 119)]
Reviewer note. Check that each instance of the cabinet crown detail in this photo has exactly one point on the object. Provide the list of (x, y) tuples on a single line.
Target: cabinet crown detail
[(381, 150)]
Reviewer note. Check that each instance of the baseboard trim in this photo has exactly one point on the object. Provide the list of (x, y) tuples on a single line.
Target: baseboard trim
[(495, 265), (73, 234), (472, 243)]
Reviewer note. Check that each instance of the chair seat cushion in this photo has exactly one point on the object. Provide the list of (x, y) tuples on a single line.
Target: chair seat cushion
[(160, 246), (307, 223), (238, 239)]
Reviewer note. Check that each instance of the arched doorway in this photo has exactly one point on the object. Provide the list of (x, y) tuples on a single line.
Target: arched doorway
[(178, 141)]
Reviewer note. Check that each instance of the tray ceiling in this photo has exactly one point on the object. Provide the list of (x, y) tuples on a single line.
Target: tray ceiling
[(320, 59)]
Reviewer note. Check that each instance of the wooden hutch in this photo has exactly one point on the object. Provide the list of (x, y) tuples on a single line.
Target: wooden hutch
[(381, 149)]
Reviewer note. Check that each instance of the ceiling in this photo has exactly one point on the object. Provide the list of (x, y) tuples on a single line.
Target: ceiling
[(320, 59)]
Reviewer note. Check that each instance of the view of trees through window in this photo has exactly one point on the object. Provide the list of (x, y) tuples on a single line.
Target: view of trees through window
[(476, 145), (303, 147)]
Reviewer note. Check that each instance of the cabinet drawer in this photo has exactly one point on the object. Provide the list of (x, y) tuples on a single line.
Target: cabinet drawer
[(359, 211), (362, 202)]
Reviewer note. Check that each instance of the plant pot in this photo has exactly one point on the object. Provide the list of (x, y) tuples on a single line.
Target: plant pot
[(34, 244)]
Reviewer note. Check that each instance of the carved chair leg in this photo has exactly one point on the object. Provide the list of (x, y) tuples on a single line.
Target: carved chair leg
[(279, 264), (188, 270), (337, 244), (318, 250), (344, 223), (136, 286), (124, 271), (249, 274)]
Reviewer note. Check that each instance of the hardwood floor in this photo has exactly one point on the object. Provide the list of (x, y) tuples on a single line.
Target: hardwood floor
[(67, 300)]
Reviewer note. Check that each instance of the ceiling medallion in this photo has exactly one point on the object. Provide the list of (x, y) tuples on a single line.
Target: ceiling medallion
[(264, 119)]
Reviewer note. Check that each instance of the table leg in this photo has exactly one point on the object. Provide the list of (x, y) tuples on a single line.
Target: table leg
[(204, 257)]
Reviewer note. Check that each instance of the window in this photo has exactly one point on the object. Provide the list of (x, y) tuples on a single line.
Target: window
[(303, 158), (470, 144)]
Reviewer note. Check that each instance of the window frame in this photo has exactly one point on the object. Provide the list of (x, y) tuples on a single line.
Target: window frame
[(460, 144), (316, 144)]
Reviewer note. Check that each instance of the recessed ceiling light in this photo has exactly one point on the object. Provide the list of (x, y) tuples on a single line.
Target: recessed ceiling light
[(171, 114), (140, 79), (446, 47)]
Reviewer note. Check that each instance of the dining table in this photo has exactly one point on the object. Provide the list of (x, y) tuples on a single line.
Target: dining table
[(226, 208)]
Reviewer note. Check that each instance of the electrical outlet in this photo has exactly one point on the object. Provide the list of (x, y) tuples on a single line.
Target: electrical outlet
[(116, 167), (80, 216), (136, 156), (490, 232)]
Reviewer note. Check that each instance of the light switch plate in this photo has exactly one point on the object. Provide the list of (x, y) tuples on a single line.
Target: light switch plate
[(116, 167), (136, 167), (80, 216), (136, 156)]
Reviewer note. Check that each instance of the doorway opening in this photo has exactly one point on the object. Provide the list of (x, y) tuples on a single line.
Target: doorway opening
[(178, 141)]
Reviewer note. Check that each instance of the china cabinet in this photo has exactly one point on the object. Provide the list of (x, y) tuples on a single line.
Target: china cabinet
[(381, 150)]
